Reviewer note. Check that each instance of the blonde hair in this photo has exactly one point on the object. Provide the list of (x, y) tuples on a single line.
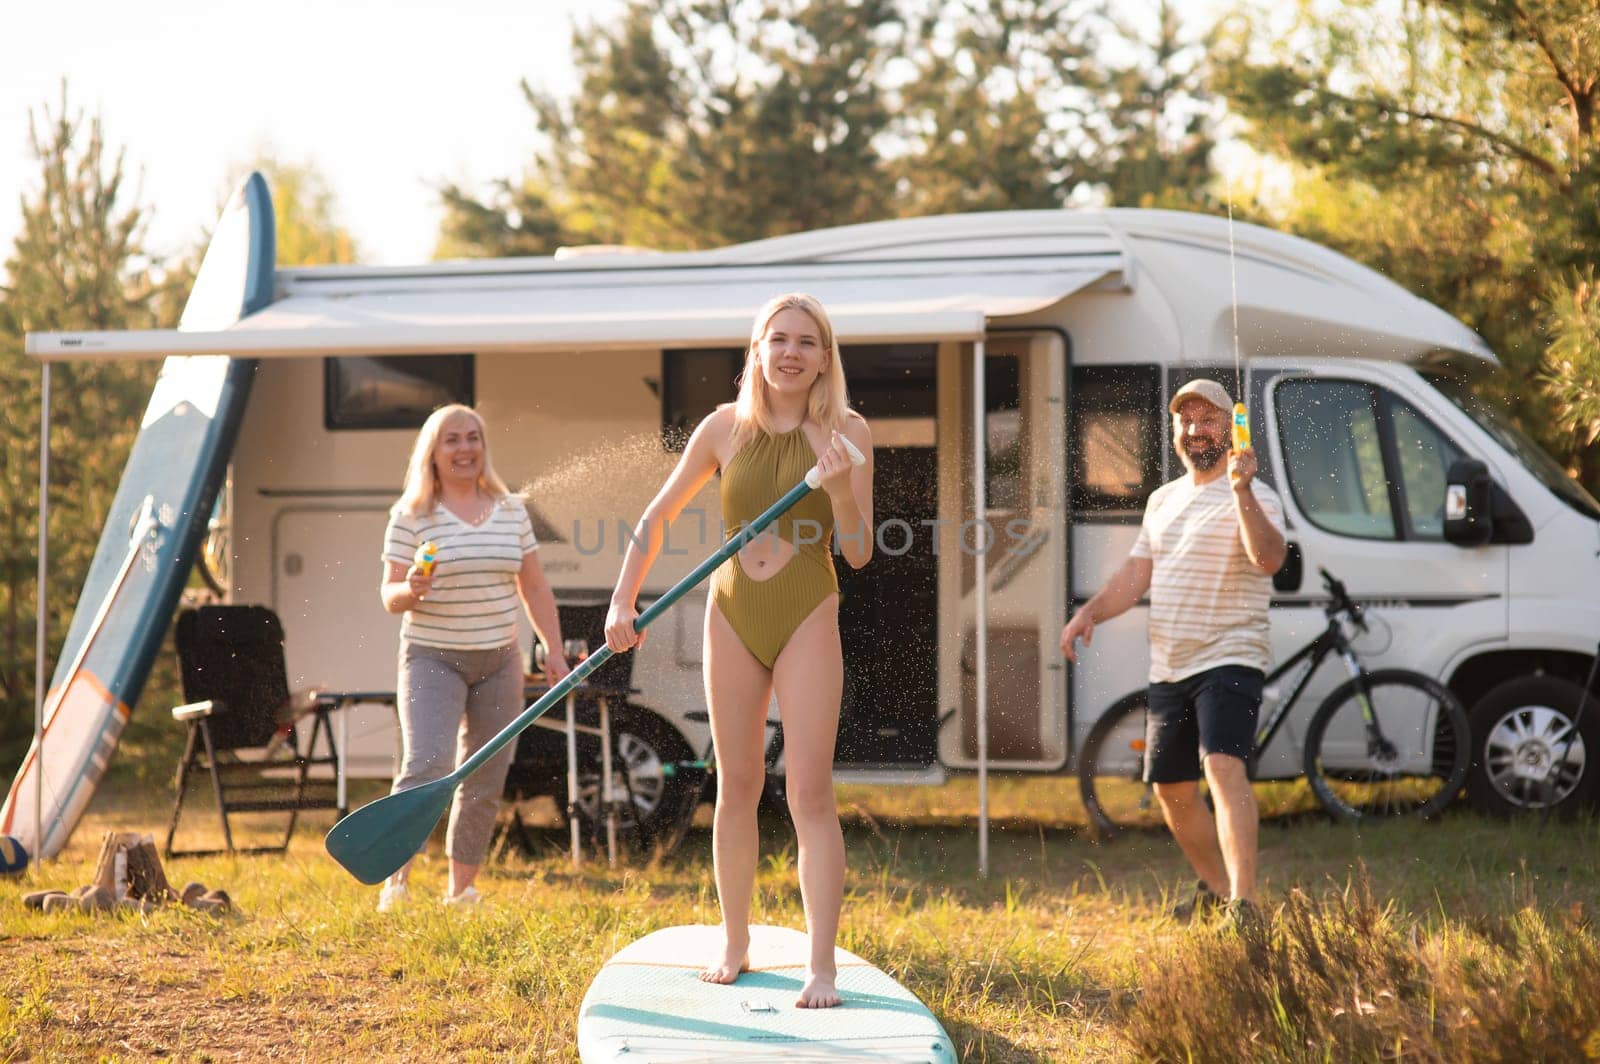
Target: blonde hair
[(829, 401), (421, 492)]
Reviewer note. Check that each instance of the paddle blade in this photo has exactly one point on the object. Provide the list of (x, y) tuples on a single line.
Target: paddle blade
[(375, 840)]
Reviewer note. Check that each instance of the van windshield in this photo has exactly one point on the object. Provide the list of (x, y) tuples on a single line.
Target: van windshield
[(1513, 439)]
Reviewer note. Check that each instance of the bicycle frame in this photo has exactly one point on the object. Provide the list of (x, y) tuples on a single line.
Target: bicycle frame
[(1332, 639), (1381, 764)]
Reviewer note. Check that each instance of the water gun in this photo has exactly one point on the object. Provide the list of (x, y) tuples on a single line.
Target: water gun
[(1241, 431), (427, 554)]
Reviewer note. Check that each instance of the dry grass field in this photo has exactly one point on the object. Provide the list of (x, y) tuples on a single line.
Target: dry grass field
[(1460, 940)]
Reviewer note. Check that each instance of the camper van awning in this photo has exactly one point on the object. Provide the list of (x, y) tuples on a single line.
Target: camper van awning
[(590, 309)]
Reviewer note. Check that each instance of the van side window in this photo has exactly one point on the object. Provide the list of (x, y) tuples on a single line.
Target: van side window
[(1114, 439), (392, 391), (1005, 433), (695, 382), (1329, 434), (1362, 461), (892, 385), (1424, 455)]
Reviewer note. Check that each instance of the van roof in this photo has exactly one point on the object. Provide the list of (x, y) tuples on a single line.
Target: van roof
[(944, 277)]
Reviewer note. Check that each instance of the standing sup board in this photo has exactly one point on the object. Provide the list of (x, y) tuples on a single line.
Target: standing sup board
[(147, 547), (648, 1005)]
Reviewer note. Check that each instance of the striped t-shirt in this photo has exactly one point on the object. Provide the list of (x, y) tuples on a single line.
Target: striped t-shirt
[(473, 604), (1208, 604)]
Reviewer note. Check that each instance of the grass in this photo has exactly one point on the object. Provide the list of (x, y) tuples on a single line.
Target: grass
[(1466, 939)]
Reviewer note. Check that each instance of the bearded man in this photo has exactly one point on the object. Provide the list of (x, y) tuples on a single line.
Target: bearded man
[(1206, 552)]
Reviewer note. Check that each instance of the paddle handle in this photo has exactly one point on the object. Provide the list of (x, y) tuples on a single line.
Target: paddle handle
[(814, 475), (599, 657)]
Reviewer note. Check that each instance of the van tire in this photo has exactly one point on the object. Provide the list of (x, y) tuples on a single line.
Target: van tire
[(1527, 717), (666, 792)]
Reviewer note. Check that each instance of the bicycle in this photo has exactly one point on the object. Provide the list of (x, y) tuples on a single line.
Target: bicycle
[(1392, 742)]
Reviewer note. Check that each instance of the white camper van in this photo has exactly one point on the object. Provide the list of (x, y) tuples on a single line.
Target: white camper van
[(591, 368)]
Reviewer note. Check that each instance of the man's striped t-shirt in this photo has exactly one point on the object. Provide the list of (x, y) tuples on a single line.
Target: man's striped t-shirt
[(473, 604), (1208, 603)]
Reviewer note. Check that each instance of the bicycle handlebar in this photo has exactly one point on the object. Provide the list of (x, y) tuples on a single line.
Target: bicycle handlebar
[(1342, 602)]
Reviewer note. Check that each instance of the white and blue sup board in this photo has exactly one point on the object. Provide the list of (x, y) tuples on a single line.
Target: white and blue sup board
[(647, 1005), (148, 544)]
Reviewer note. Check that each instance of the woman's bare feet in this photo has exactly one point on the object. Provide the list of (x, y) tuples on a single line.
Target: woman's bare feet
[(735, 959), (819, 991)]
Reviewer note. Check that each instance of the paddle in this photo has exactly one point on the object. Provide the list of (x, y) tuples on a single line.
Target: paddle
[(375, 840)]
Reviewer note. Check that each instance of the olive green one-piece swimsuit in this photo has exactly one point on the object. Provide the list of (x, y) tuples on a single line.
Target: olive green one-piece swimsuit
[(765, 613)]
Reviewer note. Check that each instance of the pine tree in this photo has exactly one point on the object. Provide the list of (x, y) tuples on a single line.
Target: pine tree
[(699, 123), (994, 117), (78, 263), (1454, 147)]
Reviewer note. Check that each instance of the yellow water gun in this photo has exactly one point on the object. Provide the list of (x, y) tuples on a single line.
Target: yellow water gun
[(1241, 430), (427, 554)]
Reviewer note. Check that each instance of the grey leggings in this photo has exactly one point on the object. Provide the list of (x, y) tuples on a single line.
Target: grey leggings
[(468, 696)]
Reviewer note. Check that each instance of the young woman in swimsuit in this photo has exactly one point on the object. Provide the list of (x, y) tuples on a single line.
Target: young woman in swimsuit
[(772, 618)]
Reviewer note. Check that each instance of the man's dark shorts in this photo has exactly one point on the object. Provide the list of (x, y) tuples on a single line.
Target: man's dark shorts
[(1211, 712)]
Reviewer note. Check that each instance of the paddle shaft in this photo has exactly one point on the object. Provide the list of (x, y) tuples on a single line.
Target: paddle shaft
[(655, 610)]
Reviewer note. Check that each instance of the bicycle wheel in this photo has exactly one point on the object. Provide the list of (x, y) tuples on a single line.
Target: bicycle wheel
[(1407, 757), (1111, 773)]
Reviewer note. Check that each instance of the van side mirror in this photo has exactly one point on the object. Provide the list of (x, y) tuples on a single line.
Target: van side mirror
[(1468, 509)]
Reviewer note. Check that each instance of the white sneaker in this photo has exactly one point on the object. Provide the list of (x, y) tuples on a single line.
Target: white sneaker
[(470, 896), (392, 896)]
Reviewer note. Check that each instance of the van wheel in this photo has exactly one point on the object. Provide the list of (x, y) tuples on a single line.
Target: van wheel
[(1519, 731), (653, 781)]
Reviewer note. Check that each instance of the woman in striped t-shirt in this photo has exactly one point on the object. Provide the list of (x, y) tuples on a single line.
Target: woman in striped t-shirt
[(460, 666)]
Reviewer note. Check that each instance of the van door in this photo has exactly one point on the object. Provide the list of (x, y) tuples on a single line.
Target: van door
[(1360, 468), (888, 610), (337, 636), (1022, 536)]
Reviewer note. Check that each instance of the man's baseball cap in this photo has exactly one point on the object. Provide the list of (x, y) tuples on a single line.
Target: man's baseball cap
[(1209, 390)]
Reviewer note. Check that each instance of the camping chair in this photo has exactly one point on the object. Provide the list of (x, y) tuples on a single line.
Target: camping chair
[(241, 720)]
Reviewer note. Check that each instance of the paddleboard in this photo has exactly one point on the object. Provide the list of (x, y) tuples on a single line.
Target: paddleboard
[(156, 524), (647, 1005)]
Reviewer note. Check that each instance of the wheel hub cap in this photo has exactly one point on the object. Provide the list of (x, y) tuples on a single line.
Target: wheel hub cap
[(1523, 756)]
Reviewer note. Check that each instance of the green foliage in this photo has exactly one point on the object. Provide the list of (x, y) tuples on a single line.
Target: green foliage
[(517, 220), (1453, 147), (698, 124), (1572, 365), (996, 112), (701, 123), (78, 263), (1154, 129)]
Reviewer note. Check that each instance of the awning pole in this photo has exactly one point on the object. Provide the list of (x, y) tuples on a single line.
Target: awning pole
[(40, 615), (980, 432)]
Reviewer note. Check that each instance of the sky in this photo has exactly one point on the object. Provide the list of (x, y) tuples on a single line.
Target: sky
[(386, 100)]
